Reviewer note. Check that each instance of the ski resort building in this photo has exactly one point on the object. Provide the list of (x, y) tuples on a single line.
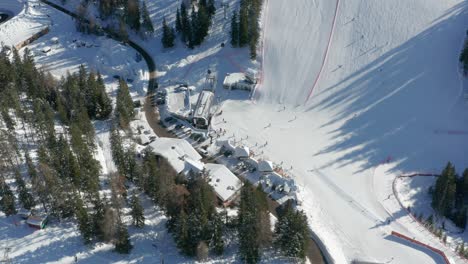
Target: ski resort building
[(176, 151), (225, 184), (239, 81), (202, 113)]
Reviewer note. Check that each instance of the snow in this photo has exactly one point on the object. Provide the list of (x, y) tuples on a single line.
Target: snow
[(384, 86), (29, 19), (389, 90), (224, 182)]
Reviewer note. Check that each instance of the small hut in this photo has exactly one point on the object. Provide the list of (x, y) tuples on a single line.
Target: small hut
[(38, 222), (265, 166), (242, 152)]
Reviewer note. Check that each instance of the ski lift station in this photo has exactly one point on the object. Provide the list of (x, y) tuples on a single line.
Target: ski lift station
[(240, 81), (202, 113)]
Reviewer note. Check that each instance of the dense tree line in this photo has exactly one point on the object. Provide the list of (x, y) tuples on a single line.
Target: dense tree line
[(193, 24), (123, 12), (254, 227), (292, 232), (450, 195), (54, 118), (245, 28)]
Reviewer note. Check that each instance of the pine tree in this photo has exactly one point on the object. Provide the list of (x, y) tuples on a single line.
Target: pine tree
[(103, 102), (133, 14), (292, 233), (178, 25), (97, 218), (243, 24), (217, 240), (7, 201), (185, 23), (122, 242), (123, 34), (181, 231), (443, 198), (249, 246), (147, 23), (137, 212), (124, 108), (211, 7), (168, 35), (194, 36), (26, 199), (234, 30), (84, 223)]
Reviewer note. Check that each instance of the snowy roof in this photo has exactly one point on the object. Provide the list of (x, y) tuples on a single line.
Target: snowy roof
[(225, 143), (193, 165), (176, 151), (24, 212), (265, 166), (224, 182), (233, 78), (242, 152), (252, 162), (205, 99), (144, 139), (35, 220)]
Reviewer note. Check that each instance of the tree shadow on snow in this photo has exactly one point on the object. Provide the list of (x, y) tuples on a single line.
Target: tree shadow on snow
[(397, 105)]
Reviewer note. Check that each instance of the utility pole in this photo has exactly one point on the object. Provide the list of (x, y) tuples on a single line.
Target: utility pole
[(6, 256)]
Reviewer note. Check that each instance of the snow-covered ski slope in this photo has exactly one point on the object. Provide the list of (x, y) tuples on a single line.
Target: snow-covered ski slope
[(388, 90)]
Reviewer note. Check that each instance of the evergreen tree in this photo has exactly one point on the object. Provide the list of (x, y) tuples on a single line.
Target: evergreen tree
[(234, 30), (26, 199), (103, 102), (217, 240), (443, 198), (123, 34), (243, 23), (122, 242), (211, 7), (194, 36), (7, 200), (97, 219), (168, 35), (185, 24), (137, 212), (133, 14), (181, 231), (292, 233), (147, 23), (178, 25), (253, 228), (124, 108), (84, 223)]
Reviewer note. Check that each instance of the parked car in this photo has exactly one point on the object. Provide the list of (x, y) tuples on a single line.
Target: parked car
[(169, 119)]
